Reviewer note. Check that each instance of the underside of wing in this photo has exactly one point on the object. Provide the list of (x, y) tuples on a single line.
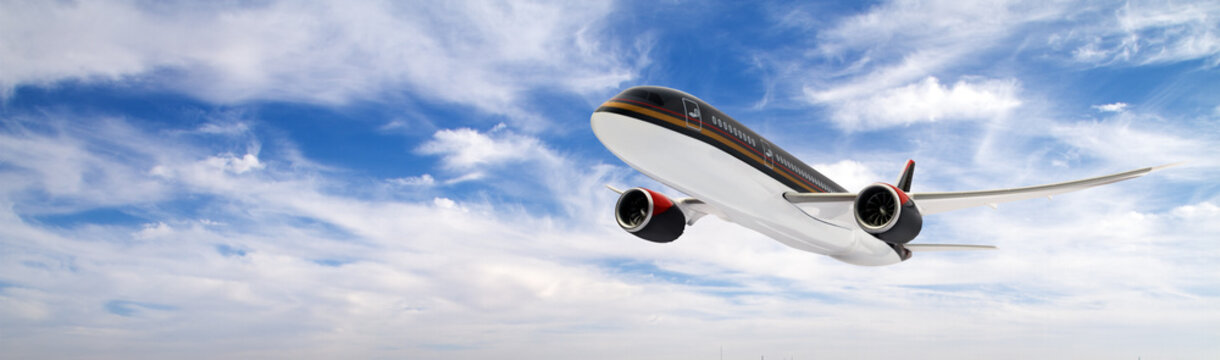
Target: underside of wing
[(696, 209), (832, 208), (938, 202)]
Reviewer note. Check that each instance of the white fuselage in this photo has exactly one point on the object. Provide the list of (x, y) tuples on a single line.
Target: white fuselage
[(741, 192)]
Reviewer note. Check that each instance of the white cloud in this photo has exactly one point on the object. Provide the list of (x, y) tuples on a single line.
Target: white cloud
[(1140, 140), (1142, 33), (521, 167), (1115, 107), (863, 65), (153, 231), (424, 180), (882, 68), (1197, 213), (470, 176), (285, 257), (910, 69), (226, 128), (485, 55), (234, 164), (278, 261), (468, 149), (925, 101), (907, 26), (95, 163), (852, 175)]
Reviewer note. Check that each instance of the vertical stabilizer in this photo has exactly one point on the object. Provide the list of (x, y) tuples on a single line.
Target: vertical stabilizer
[(904, 180)]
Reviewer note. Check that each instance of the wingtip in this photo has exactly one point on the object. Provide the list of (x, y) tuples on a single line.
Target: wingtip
[(1169, 165)]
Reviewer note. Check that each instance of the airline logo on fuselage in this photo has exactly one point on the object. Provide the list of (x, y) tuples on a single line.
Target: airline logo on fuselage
[(694, 118)]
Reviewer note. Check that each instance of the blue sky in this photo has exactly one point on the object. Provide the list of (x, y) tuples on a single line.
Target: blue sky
[(280, 179)]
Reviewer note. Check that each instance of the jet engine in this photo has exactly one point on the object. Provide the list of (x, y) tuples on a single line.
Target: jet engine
[(649, 215), (888, 213)]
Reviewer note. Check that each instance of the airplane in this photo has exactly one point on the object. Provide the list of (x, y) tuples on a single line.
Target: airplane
[(733, 173)]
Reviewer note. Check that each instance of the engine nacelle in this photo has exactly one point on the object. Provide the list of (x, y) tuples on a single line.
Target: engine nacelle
[(649, 215), (888, 213)]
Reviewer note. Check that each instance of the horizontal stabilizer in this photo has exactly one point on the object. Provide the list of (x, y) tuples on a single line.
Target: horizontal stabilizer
[(947, 247)]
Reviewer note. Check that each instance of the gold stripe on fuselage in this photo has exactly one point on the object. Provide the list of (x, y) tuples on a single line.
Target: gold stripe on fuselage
[(704, 131)]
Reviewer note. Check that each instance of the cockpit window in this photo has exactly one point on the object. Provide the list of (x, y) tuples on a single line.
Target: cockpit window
[(650, 97)]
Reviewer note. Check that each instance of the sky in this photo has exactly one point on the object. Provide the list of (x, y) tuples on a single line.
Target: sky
[(359, 179)]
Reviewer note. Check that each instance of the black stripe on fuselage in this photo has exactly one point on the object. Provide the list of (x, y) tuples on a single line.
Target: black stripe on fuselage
[(666, 108)]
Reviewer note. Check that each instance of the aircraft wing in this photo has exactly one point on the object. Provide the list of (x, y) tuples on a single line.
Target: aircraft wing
[(835, 208), (938, 202)]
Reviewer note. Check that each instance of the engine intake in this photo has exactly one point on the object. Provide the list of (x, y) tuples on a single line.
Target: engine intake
[(649, 215), (888, 214)]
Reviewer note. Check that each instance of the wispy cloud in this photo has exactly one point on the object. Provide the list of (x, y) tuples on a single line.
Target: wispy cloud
[(466, 149), (515, 165), (1114, 107), (254, 268), (424, 180), (240, 245), (488, 56), (923, 101), (414, 264), (883, 68), (861, 65), (58, 159), (1131, 140), (1140, 33)]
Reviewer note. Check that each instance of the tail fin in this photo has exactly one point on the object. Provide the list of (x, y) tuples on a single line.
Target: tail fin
[(908, 174)]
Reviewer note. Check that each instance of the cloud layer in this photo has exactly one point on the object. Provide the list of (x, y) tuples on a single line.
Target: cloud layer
[(884, 67), (131, 237), (279, 255), (488, 56)]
